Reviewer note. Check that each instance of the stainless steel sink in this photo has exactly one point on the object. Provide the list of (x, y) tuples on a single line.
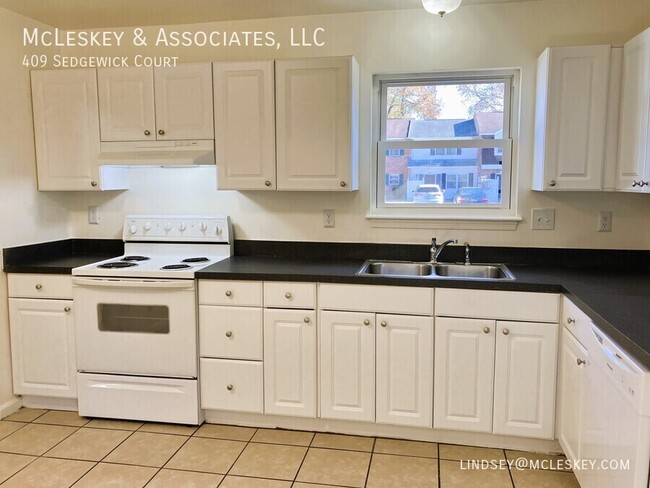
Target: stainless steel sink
[(436, 271)]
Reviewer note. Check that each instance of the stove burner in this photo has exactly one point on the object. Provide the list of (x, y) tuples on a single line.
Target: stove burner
[(117, 264), (136, 258), (195, 260), (176, 266)]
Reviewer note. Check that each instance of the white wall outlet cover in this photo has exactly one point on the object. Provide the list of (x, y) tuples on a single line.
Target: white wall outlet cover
[(543, 219), (328, 217), (605, 221)]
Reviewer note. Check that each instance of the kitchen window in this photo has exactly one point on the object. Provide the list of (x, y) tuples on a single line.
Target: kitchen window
[(453, 130)]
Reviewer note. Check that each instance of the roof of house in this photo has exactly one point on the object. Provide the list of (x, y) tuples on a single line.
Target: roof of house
[(488, 122), (397, 128), (433, 129)]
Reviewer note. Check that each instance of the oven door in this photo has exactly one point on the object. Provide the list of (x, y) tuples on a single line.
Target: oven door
[(136, 326)]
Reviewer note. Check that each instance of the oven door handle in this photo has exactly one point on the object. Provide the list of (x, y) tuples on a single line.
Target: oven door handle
[(141, 284)]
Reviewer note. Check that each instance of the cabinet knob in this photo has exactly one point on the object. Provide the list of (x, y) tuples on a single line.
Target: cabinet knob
[(383, 323), (552, 183), (38, 286), (229, 334), (506, 332), (569, 320), (147, 132), (267, 183), (307, 320), (161, 132), (228, 293), (644, 183), (343, 184), (635, 183), (287, 295), (229, 387), (366, 322), (580, 361), (93, 184), (67, 309), (486, 330)]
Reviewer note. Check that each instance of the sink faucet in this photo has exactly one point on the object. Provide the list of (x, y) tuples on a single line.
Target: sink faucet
[(437, 249)]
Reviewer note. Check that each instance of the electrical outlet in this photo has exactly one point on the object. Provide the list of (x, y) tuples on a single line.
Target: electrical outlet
[(328, 217), (605, 221), (93, 214), (543, 219)]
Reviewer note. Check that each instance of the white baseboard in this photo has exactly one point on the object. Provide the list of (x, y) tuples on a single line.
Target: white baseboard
[(10, 407), (50, 403)]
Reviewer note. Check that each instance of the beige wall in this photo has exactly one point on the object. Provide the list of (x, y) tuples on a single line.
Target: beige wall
[(25, 214), (497, 35)]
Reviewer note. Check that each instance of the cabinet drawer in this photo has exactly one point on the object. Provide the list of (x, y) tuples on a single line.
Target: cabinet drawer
[(500, 305), (230, 332), (237, 293), (289, 295), (231, 385), (575, 320), (381, 299), (39, 286)]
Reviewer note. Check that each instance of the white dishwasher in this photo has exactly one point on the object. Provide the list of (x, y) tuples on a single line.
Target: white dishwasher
[(616, 423)]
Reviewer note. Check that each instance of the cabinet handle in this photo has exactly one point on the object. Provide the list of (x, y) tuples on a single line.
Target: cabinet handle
[(580, 361), (343, 184), (161, 132), (229, 387), (93, 184), (306, 319), (228, 293), (67, 309), (366, 322), (229, 334), (147, 132), (383, 323), (38, 286), (552, 183), (644, 183), (267, 183), (569, 320), (506, 332), (635, 183), (287, 295), (486, 330)]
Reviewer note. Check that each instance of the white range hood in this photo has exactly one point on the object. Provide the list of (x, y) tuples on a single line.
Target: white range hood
[(157, 153)]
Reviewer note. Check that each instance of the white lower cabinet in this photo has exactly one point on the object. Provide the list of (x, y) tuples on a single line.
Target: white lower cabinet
[(290, 362), (43, 347), (495, 376), (231, 385)]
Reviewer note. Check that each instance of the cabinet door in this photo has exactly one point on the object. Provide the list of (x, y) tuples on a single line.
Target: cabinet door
[(317, 123), (290, 362), (347, 365), (524, 379), (43, 347), (183, 97), (571, 117), (405, 370), (126, 106), (464, 374), (572, 366), (635, 110), (66, 129), (244, 125)]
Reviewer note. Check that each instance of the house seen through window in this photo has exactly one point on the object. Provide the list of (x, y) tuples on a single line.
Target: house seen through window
[(445, 142)]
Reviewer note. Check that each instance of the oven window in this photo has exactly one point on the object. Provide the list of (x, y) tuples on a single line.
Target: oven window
[(149, 319)]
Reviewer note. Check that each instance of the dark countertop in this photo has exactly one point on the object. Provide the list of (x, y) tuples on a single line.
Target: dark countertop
[(617, 301)]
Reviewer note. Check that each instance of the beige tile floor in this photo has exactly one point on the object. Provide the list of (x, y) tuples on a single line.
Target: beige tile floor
[(43, 449)]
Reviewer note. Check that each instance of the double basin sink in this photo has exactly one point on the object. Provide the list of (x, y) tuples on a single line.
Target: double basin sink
[(492, 272)]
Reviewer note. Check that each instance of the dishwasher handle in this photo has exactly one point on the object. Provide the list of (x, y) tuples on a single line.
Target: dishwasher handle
[(141, 284)]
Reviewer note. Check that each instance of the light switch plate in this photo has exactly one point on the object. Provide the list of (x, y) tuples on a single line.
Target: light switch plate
[(93, 214), (543, 219)]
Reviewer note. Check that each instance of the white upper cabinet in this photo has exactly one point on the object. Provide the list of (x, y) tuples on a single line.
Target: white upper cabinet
[(244, 125), (145, 104), (66, 132), (571, 118), (633, 170), (317, 111)]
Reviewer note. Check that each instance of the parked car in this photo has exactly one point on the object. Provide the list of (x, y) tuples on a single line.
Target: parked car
[(428, 194), (471, 194)]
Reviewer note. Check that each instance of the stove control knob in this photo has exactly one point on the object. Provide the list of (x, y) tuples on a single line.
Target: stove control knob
[(203, 226), (147, 226), (182, 226), (133, 229), (167, 226), (218, 230)]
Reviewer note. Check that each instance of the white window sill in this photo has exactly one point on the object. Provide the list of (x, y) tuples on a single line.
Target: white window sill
[(465, 222)]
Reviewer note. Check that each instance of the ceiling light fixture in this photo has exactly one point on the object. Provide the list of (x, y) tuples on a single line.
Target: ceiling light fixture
[(440, 7)]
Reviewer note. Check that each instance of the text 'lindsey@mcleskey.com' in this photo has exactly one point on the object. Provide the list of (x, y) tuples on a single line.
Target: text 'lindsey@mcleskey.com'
[(558, 464)]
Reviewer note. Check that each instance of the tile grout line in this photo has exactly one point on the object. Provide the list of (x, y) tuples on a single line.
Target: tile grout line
[(308, 446), (372, 456), (238, 456), (187, 438)]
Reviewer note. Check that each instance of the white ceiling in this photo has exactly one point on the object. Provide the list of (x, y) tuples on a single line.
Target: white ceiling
[(86, 14)]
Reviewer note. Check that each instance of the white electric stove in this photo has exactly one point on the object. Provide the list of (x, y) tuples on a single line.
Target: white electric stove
[(136, 319)]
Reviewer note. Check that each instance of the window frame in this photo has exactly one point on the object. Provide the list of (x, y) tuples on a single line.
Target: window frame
[(506, 211)]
